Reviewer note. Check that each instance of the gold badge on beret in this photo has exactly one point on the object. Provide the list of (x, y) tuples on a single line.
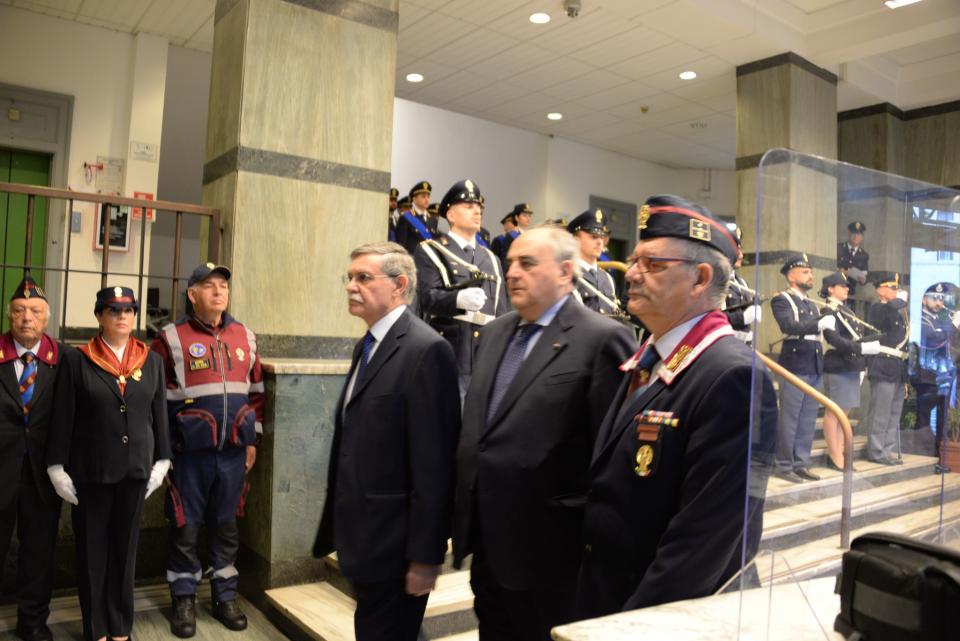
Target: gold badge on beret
[(598, 215), (468, 185), (805, 259), (699, 230), (26, 292), (643, 217)]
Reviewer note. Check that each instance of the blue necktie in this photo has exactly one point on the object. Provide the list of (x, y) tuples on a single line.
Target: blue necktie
[(26, 382), (365, 346), (510, 365), (641, 375)]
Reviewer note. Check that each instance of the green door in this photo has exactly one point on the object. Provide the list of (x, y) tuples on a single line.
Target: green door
[(26, 168)]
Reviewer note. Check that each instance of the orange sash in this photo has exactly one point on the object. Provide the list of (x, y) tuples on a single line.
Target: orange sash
[(134, 356)]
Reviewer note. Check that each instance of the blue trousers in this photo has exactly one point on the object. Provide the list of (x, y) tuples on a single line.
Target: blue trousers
[(798, 419), (206, 490)]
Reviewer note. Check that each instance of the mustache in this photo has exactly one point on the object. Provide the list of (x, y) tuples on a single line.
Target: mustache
[(356, 298)]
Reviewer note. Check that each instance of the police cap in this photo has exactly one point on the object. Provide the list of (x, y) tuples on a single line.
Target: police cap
[(115, 298), (856, 227), (464, 191), (394, 193), (832, 280), (886, 279), (672, 216), (422, 187), (521, 208), (511, 217), (591, 221)]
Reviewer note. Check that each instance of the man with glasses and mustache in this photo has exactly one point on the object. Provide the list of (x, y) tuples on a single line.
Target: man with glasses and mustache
[(390, 481), (668, 478)]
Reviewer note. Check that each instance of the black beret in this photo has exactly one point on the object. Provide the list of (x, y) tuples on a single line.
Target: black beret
[(28, 289), (665, 215), (464, 191), (856, 227), (590, 221), (116, 298), (794, 260), (422, 187)]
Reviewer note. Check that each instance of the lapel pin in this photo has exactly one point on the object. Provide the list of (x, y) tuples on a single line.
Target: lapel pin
[(557, 346)]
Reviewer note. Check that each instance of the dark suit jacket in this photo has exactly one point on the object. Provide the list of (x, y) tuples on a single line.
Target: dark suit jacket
[(673, 534), (522, 479), (390, 483), (798, 355), (100, 436), (15, 437), (888, 318)]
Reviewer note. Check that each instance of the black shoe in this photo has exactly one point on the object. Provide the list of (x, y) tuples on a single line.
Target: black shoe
[(884, 461), (806, 474), (941, 469), (39, 633), (229, 614), (833, 466), (788, 476), (183, 623)]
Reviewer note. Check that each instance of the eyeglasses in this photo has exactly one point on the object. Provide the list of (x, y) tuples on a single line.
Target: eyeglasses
[(654, 264), (362, 278)]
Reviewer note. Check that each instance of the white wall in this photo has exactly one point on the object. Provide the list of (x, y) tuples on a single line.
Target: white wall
[(100, 69), (556, 176)]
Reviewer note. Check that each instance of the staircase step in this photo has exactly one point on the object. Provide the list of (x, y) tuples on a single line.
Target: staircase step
[(794, 525), (325, 613), (822, 557)]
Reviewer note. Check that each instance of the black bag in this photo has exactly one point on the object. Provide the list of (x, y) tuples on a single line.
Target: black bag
[(893, 588)]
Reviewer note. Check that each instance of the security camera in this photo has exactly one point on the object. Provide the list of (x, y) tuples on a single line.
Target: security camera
[(572, 7)]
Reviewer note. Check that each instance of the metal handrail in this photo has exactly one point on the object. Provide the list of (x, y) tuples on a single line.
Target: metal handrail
[(828, 404), (104, 201)]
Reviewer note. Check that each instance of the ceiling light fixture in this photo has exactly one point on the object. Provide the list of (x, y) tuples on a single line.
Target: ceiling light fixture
[(688, 75), (539, 18), (414, 77), (554, 115), (896, 4)]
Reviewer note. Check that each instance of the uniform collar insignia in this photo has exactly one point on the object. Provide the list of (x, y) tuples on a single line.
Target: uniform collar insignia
[(707, 331)]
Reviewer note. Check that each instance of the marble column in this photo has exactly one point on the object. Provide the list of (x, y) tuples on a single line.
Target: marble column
[(789, 103), (298, 160)]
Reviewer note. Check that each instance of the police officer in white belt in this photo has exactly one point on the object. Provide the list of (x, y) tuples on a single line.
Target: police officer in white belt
[(460, 284), (801, 353)]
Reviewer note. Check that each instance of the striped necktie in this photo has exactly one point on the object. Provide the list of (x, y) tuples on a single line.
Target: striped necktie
[(641, 374), (27, 380), (510, 365)]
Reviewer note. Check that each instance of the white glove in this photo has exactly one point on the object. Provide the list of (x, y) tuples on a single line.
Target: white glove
[(157, 474), (902, 295), (955, 319), (63, 484), (752, 315), (863, 375), (471, 299), (827, 322), (870, 348)]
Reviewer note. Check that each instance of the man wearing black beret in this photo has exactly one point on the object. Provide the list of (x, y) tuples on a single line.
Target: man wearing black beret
[(665, 514)]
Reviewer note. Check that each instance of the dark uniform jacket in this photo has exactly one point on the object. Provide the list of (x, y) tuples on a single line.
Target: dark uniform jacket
[(390, 480), (522, 478), (847, 257), (676, 533), (101, 436), (592, 282), (413, 229), (443, 265), (501, 244), (736, 304), (798, 318), (844, 353), (933, 352), (888, 318), (17, 438)]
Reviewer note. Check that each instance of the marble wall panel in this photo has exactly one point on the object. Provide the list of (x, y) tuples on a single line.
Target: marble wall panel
[(763, 110), (813, 114), (226, 81)]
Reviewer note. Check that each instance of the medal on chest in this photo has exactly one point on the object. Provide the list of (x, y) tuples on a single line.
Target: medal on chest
[(649, 427)]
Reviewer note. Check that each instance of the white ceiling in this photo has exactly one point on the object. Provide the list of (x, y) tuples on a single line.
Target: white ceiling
[(613, 70)]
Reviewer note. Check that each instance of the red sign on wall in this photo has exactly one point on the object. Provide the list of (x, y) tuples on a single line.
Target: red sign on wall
[(138, 212)]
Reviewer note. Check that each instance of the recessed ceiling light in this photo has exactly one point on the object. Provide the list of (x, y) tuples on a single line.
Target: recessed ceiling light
[(896, 4), (414, 77), (688, 75), (540, 18), (554, 115)]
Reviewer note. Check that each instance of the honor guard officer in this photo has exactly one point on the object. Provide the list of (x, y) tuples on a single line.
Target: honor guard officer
[(522, 214), (28, 372), (416, 225), (935, 370), (741, 306), (213, 381), (801, 353), (887, 371), (664, 518), (509, 223), (460, 281), (594, 286), (394, 214), (852, 259)]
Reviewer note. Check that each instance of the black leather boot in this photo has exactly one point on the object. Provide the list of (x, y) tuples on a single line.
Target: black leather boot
[(183, 623), (230, 615)]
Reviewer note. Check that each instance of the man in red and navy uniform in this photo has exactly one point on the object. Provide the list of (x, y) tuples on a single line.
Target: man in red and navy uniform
[(215, 403)]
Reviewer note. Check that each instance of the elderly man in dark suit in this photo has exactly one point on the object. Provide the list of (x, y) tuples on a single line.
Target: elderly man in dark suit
[(669, 478), (28, 361), (390, 485), (543, 378)]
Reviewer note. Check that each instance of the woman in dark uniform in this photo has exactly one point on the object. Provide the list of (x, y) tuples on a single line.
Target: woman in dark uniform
[(110, 437), (843, 364)]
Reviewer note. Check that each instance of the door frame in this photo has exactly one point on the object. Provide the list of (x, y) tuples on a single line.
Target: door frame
[(59, 149)]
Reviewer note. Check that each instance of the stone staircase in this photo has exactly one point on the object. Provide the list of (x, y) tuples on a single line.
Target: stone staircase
[(801, 540)]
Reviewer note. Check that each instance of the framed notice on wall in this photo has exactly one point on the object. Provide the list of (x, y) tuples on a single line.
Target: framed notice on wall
[(115, 225)]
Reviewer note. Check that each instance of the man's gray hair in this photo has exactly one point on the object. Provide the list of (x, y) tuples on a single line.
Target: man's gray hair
[(396, 262), (722, 269), (562, 242)]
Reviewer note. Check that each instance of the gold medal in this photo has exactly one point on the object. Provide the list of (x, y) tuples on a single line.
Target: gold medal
[(122, 379), (644, 459), (136, 375)]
